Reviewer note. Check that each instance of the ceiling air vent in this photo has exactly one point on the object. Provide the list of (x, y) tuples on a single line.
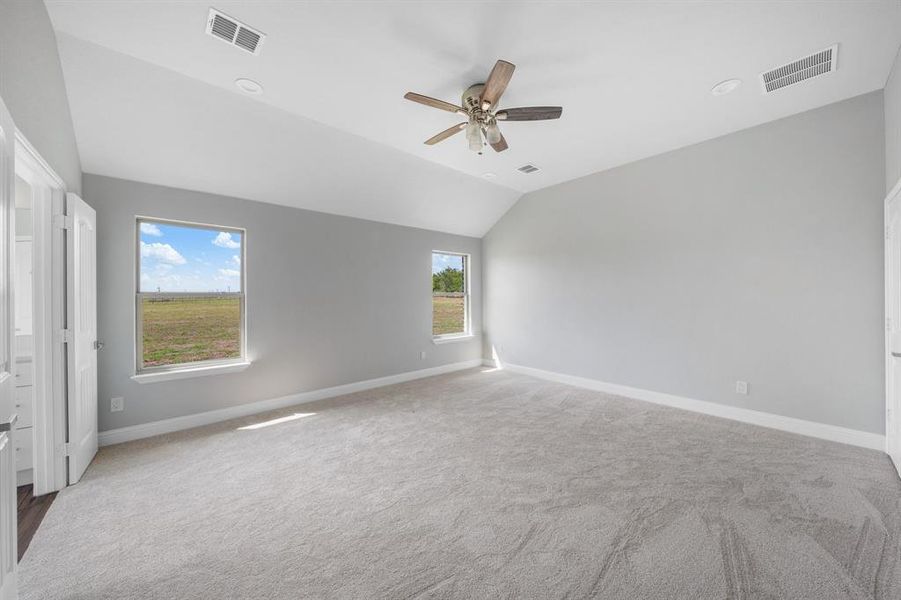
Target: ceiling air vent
[(227, 29), (818, 63), (528, 169)]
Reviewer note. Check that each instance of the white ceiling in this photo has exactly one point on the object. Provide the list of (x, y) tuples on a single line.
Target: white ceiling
[(141, 122), (153, 97)]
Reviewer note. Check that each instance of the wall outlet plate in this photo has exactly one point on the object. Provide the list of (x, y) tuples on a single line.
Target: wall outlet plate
[(742, 387), (117, 404)]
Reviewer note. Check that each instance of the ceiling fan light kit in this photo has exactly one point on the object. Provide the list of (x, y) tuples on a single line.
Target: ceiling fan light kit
[(479, 105), (474, 136), (493, 132)]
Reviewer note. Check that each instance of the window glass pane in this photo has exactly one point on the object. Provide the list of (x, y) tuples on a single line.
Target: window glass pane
[(181, 329), (181, 258), (190, 278), (448, 294)]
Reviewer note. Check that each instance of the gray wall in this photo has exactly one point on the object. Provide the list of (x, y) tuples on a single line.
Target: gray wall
[(757, 256), (32, 86), (893, 125), (330, 300)]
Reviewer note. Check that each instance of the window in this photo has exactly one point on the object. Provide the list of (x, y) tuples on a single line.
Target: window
[(450, 295), (190, 295)]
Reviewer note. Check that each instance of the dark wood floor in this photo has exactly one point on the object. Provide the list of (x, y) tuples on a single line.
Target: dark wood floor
[(31, 513)]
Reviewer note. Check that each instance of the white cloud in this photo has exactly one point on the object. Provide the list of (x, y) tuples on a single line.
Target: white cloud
[(151, 229), (237, 260), (229, 273), (224, 240), (162, 252)]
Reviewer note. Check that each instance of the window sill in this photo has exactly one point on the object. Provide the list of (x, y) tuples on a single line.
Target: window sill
[(449, 339), (155, 377)]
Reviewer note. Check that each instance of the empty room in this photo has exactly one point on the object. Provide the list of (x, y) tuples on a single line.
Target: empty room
[(461, 299)]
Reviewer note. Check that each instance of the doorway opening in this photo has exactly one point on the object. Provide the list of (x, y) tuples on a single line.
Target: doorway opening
[(38, 270)]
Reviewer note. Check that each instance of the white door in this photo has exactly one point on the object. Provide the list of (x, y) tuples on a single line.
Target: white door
[(893, 326), (81, 309), (8, 544)]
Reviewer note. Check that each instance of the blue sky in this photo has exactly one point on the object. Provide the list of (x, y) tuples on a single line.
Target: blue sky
[(442, 261), (178, 258)]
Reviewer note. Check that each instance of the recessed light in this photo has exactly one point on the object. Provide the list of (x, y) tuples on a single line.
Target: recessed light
[(489, 175), (724, 87), (249, 86)]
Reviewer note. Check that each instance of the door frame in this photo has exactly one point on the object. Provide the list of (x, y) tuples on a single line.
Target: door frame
[(8, 521), (48, 310), (892, 317)]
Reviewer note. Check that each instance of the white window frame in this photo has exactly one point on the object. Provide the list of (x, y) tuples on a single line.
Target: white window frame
[(188, 369), (467, 312)]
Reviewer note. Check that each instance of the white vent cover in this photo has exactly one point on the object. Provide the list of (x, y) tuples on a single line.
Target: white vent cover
[(528, 169), (219, 25), (818, 63)]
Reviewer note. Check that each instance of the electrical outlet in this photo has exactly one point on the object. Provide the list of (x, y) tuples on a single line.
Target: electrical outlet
[(117, 404), (422, 355), (742, 387)]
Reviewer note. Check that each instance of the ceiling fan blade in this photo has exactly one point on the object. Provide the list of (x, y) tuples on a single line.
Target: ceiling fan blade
[(497, 83), (445, 134), (434, 103), (501, 145), (530, 113)]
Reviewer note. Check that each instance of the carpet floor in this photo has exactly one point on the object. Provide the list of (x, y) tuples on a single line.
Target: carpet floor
[(477, 484)]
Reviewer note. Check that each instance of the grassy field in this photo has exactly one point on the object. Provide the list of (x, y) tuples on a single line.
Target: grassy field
[(447, 315), (191, 329)]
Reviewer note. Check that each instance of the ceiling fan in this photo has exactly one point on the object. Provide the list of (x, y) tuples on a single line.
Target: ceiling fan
[(480, 106)]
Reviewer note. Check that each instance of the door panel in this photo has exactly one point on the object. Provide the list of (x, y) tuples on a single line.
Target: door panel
[(8, 545), (81, 278)]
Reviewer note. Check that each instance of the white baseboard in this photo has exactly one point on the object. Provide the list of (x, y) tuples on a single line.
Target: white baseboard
[(833, 433), (144, 430)]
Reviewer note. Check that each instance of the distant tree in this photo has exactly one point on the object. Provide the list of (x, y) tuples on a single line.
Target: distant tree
[(448, 280)]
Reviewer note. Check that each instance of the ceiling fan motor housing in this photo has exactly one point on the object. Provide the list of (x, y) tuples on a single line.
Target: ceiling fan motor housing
[(472, 103)]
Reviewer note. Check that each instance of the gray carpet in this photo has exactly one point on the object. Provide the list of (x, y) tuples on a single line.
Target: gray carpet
[(474, 485)]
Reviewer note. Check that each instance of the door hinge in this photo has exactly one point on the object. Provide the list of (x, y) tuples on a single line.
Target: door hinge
[(63, 221), (888, 323), (65, 449), (64, 336)]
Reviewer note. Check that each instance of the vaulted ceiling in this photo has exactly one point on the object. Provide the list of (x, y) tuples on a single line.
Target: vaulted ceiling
[(153, 97)]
